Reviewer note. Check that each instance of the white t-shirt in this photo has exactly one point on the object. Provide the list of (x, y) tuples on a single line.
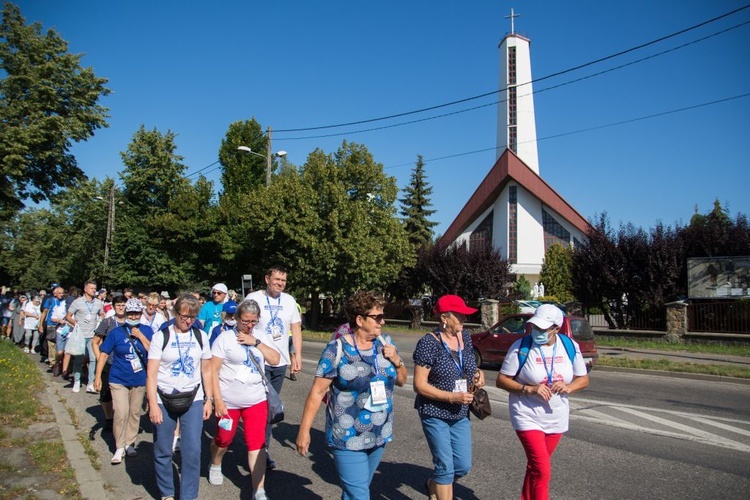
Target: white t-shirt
[(28, 322), (156, 321), (532, 412), (234, 392), (86, 314), (180, 361), (276, 317)]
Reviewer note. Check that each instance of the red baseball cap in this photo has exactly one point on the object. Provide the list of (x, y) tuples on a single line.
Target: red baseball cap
[(453, 303)]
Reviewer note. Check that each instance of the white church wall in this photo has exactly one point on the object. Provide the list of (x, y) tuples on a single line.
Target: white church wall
[(530, 233)]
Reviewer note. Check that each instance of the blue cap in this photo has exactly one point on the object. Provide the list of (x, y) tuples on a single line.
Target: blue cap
[(230, 307)]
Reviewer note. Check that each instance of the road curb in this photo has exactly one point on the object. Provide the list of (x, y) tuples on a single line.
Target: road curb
[(89, 481), (663, 373)]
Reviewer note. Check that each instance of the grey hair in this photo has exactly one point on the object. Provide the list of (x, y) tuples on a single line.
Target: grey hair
[(247, 306)]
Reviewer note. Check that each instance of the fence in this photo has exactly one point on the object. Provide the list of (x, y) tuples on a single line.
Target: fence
[(719, 317), (641, 320)]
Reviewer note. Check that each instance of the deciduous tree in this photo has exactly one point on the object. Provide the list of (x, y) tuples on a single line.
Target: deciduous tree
[(556, 274)]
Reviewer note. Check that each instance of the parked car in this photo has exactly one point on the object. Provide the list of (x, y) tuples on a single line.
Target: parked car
[(527, 306), (492, 345)]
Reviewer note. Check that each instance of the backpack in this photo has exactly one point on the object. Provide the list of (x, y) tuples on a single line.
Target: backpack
[(525, 347), (195, 331)]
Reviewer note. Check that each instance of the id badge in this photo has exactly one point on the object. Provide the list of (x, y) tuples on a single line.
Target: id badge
[(377, 392), (87, 319), (135, 363), (275, 332), (243, 374), (460, 386), (555, 401)]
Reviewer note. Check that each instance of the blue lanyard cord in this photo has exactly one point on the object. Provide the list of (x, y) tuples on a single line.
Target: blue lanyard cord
[(375, 354), (550, 371), (183, 358), (89, 307), (460, 364), (270, 310), (246, 347)]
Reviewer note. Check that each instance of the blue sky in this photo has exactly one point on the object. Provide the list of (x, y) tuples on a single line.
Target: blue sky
[(194, 67)]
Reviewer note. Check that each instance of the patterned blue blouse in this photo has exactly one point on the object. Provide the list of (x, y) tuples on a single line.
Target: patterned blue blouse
[(349, 426), (431, 353)]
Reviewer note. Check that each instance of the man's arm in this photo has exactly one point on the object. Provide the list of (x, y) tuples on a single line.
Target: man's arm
[(297, 342)]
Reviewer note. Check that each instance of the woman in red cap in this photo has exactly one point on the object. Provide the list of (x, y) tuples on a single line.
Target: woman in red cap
[(444, 369)]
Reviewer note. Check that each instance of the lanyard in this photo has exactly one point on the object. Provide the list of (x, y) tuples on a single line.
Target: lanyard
[(374, 354), (89, 307), (247, 348), (460, 364), (271, 311), (151, 322), (551, 368), (183, 358)]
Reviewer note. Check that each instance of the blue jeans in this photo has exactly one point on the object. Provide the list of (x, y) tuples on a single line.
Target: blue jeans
[(78, 364), (275, 376), (450, 444), (191, 429), (356, 469)]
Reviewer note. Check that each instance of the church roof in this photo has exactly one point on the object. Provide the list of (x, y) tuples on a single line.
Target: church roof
[(509, 167)]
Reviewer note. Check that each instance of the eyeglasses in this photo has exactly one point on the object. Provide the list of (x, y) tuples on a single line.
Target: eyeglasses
[(185, 317), (216, 292), (249, 322), (377, 317)]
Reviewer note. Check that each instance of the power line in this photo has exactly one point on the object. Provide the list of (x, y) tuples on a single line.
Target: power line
[(602, 59), (444, 115), (580, 131)]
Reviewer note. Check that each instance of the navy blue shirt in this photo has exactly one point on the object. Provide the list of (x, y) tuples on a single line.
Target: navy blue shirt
[(121, 351), (432, 354)]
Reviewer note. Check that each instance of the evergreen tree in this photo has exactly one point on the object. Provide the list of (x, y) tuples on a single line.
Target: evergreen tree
[(556, 274), (47, 102), (415, 207)]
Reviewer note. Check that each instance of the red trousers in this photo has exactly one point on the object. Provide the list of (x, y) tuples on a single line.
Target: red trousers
[(539, 448)]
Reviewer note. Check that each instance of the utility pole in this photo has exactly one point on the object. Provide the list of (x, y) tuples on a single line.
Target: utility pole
[(110, 229), (269, 161)]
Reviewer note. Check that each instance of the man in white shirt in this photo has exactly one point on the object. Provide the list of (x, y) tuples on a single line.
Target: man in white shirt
[(279, 314), (85, 312)]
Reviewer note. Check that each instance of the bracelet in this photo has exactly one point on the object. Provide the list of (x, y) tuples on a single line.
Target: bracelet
[(523, 390)]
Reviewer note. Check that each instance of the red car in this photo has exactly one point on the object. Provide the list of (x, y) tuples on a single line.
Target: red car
[(492, 345)]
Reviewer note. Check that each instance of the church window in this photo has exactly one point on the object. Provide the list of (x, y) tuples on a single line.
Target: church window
[(512, 224), (512, 106), (511, 65), (482, 235), (554, 232), (513, 139)]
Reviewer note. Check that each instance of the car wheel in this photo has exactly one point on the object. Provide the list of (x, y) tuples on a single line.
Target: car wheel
[(478, 357)]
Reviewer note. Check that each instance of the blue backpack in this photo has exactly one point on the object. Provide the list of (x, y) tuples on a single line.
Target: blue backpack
[(523, 350)]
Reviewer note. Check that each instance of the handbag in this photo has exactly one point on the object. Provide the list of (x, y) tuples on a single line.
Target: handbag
[(178, 402), (480, 405), (275, 404)]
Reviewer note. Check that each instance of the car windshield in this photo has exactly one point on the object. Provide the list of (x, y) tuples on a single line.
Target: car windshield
[(511, 325), (581, 329)]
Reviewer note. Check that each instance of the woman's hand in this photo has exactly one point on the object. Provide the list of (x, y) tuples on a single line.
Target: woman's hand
[(462, 398), (389, 353), (220, 408), (479, 379), (543, 391), (208, 407), (98, 384), (560, 387), (303, 442), (154, 414), (245, 338)]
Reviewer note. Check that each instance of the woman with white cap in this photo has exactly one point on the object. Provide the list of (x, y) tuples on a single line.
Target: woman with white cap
[(444, 371), (539, 375)]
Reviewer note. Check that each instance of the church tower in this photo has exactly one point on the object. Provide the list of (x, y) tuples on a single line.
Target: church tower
[(516, 125)]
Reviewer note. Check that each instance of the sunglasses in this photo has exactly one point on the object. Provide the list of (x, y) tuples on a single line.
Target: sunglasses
[(377, 317)]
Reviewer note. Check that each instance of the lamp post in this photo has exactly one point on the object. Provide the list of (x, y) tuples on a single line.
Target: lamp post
[(269, 162)]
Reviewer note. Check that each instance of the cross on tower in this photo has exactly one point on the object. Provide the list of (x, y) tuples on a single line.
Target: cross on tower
[(512, 17)]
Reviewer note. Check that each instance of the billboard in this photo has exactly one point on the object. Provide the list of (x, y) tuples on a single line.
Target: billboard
[(718, 277)]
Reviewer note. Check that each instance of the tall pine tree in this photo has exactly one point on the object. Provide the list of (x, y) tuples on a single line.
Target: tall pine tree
[(415, 207)]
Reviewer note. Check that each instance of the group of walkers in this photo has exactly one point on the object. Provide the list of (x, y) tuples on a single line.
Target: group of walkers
[(224, 360)]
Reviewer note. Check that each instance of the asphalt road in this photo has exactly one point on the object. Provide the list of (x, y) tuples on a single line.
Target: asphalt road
[(632, 436)]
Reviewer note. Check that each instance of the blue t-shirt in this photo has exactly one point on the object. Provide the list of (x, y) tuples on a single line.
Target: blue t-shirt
[(349, 426), (432, 353), (210, 314), (121, 352)]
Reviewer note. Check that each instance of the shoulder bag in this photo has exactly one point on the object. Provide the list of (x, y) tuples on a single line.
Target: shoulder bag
[(275, 404)]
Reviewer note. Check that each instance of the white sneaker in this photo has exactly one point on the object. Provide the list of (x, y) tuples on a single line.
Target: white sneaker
[(90, 389), (131, 451), (117, 457), (176, 445), (26, 350), (215, 476), (77, 387), (260, 495)]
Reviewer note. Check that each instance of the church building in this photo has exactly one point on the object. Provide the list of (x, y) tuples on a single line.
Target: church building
[(513, 207)]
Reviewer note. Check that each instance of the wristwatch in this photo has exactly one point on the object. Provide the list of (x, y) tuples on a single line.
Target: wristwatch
[(400, 363), (257, 343)]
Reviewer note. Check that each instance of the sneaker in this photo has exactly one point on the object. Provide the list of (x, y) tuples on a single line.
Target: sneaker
[(260, 495), (117, 457), (270, 464), (56, 370), (90, 389), (215, 476), (77, 387), (176, 445), (131, 451), (26, 350)]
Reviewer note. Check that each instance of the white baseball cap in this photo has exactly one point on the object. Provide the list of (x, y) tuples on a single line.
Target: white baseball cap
[(547, 315)]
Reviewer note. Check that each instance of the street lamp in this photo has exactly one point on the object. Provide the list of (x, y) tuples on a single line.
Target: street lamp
[(269, 163)]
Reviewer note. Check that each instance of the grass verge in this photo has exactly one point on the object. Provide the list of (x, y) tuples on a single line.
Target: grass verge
[(50, 457), (730, 350), (19, 382), (672, 366)]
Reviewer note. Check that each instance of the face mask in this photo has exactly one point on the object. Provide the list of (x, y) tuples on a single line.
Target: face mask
[(538, 336), (133, 322), (230, 322)]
